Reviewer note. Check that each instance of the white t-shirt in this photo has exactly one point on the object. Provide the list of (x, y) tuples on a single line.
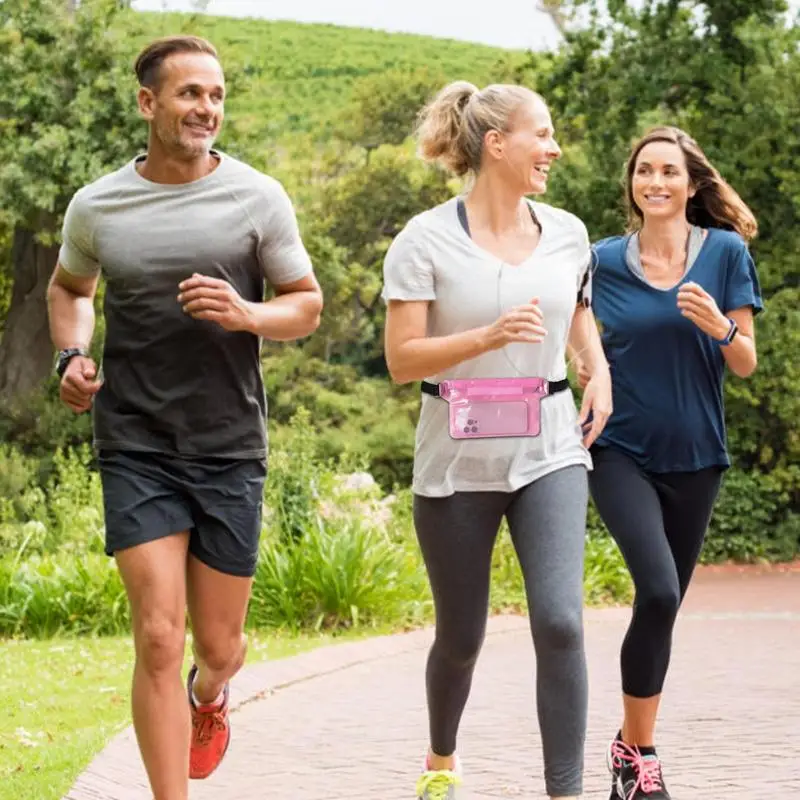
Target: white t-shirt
[(433, 258)]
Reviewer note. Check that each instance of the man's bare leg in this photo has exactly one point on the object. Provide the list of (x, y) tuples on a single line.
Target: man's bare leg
[(217, 610), (154, 575)]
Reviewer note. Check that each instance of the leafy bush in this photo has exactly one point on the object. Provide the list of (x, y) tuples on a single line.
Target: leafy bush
[(341, 574), (75, 503), (753, 519), (366, 422), (336, 550), (54, 594)]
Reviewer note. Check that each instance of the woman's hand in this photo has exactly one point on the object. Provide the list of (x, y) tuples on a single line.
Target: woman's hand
[(523, 323), (597, 404), (697, 305)]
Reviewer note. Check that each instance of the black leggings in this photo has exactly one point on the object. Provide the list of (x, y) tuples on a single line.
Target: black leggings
[(659, 521)]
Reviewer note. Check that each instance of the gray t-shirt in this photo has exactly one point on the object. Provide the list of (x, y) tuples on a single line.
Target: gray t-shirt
[(172, 384), (434, 259)]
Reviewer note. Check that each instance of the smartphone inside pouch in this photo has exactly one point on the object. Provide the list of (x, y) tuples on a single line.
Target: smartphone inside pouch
[(482, 408)]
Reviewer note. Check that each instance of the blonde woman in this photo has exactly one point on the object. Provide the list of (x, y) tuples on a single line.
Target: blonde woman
[(483, 293)]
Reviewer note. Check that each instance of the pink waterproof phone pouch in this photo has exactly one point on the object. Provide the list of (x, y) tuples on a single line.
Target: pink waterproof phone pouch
[(482, 408)]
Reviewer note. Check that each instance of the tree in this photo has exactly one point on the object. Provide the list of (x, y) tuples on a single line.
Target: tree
[(350, 224), (385, 106), (66, 116)]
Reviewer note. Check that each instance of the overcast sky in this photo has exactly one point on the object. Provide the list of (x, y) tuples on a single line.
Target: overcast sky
[(505, 23)]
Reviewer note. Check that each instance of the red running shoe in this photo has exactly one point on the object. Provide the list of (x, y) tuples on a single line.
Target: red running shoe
[(211, 733)]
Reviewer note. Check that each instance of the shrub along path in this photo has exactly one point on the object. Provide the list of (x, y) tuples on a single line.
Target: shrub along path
[(348, 722)]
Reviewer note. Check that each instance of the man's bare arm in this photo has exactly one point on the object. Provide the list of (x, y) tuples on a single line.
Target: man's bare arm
[(70, 302), (293, 313)]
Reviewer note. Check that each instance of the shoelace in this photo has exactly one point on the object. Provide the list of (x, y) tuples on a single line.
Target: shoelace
[(206, 724), (647, 768), (437, 784)]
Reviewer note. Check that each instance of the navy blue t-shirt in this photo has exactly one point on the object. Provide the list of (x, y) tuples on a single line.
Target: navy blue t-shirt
[(667, 375)]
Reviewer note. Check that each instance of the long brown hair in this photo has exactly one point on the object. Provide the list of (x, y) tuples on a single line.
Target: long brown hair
[(715, 203)]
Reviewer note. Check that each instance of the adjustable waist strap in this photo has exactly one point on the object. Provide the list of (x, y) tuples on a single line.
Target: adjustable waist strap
[(553, 387)]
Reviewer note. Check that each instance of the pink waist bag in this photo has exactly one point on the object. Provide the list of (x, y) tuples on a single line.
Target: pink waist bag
[(482, 408)]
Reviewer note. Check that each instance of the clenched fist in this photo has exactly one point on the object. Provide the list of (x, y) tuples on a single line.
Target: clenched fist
[(79, 384)]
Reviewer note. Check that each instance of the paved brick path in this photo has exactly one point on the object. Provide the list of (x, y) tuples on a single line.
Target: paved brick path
[(348, 722)]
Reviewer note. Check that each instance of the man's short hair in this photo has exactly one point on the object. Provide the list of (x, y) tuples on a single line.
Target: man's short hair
[(148, 64)]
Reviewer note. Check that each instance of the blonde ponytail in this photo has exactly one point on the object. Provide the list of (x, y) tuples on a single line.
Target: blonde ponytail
[(452, 127)]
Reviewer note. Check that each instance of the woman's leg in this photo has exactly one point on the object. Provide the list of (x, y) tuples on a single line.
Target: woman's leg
[(456, 535), (656, 523), (629, 504), (547, 520), (687, 501)]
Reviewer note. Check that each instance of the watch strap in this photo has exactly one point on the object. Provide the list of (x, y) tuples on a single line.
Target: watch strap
[(65, 356), (731, 335)]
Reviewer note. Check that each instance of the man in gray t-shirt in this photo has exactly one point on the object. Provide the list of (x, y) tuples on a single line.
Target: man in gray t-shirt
[(186, 239)]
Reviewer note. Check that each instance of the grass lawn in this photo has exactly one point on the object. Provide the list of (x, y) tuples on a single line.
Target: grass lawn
[(64, 699)]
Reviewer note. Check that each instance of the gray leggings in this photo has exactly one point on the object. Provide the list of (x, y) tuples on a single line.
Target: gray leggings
[(547, 521)]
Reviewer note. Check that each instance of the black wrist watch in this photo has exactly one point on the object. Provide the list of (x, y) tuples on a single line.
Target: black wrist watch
[(65, 356)]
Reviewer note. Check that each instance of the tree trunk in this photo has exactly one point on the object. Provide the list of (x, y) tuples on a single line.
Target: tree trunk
[(26, 353)]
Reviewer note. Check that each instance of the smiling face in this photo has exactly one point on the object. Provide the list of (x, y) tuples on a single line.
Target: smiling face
[(659, 185), (186, 107), (525, 153)]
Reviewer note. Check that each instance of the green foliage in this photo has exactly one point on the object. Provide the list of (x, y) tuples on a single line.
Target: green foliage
[(341, 574), (756, 517), (291, 489), (74, 503), (360, 211), (384, 107), (43, 425), (337, 552), (58, 593), (299, 77), (766, 407), (355, 419), (327, 555), (61, 513), (66, 112), (18, 474)]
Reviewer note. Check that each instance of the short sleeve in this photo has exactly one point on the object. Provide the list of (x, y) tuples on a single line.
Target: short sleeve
[(281, 252), (76, 254), (407, 268), (587, 258), (742, 288)]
